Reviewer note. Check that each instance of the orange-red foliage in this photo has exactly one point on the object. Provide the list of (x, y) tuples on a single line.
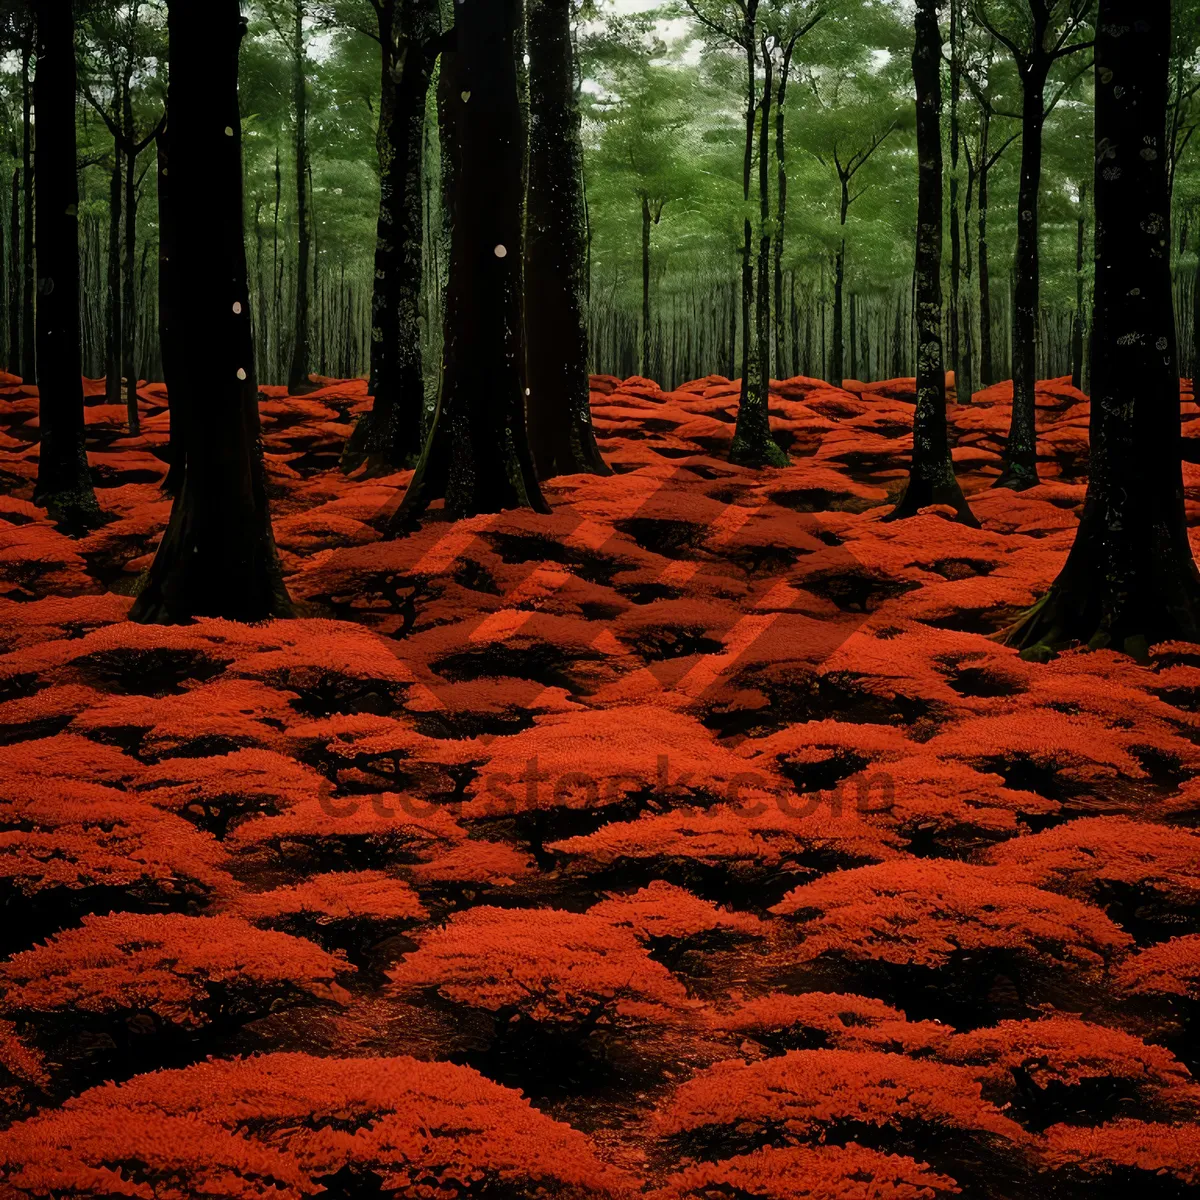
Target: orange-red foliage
[(1168, 969), (663, 912), (169, 965), (551, 967), (849, 1172), (1142, 1152)]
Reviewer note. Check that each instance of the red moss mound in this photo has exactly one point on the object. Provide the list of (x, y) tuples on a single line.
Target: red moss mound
[(1168, 969), (1137, 1155), (824, 1020), (174, 967), (849, 1172), (553, 968), (236, 1129), (663, 912), (805, 1094), (922, 913)]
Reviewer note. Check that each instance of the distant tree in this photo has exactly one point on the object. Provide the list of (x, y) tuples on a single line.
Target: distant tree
[(64, 484), (561, 438), (476, 457), (931, 479), (1049, 30), (217, 557), (1130, 580)]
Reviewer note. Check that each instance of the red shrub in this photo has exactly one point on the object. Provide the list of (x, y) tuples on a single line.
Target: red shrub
[(66, 756), (553, 968), (1017, 1058), (809, 1173), (420, 1129), (820, 1020), (22, 1069), (923, 913), (175, 967), (665, 914), (474, 865), (805, 1095), (1138, 1154), (1111, 859), (1168, 969)]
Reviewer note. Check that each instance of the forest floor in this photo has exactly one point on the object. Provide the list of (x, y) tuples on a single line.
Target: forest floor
[(704, 811)]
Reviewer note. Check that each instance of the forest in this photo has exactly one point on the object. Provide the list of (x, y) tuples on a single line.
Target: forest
[(598, 599)]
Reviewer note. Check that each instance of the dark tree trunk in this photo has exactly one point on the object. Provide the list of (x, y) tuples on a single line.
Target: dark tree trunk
[(113, 336), (129, 299), (1077, 323), (753, 445), (955, 228), (561, 438), (931, 478), (298, 371), (168, 330), (986, 370), (14, 274), (838, 361), (1130, 580), (1196, 319), (477, 456), (29, 266), (781, 185), (647, 221), (390, 436), (64, 484), (217, 557), (1020, 455)]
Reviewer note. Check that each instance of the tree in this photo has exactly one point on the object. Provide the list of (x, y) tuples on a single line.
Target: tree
[(1051, 29), (561, 438), (931, 479), (410, 38), (64, 484), (217, 557), (476, 457), (736, 22), (1130, 580)]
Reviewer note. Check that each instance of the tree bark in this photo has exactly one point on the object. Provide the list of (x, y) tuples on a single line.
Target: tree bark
[(647, 220), (986, 369), (561, 438), (217, 557), (1130, 580), (129, 299), (1077, 323), (390, 436), (1020, 455), (113, 333), (299, 369), (837, 367), (168, 328), (14, 273), (477, 457), (64, 484), (931, 478), (955, 228), (29, 265)]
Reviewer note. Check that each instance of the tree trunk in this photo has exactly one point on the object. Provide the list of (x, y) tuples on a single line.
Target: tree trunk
[(477, 456), (1130, 580), (561, 438), (647, 220), (837, 368), (931, 478), (390, 436), (217, 557), (168, 330), (1020, 455), (955, 229), (986, 369), (113, 336), (781, 203), (64, 484), (753, 445), (29, 266), (1077, 323), (14, 274), (298, 372), (129, 299)]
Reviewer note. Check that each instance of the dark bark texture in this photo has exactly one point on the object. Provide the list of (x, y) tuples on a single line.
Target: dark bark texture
[(561, 438), (64, 484), (1130, 580), (477, 456), (931, 478), (298, 371), (217, 557)]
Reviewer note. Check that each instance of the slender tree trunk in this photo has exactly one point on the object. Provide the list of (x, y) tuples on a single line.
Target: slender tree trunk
[(781, 200), (477, 456), (1196, 319), (1130, 580), (14, 274), (217, 557), (838, 364), (129, 299), (955, 229), (931, 479), (647, 220), (64, 484), (561, 438), (113, 333), (753, 445), (298, 372), (382, 306), (168, 327), (1078, 322), (986, 369), (1020, 456), (29, 266)]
